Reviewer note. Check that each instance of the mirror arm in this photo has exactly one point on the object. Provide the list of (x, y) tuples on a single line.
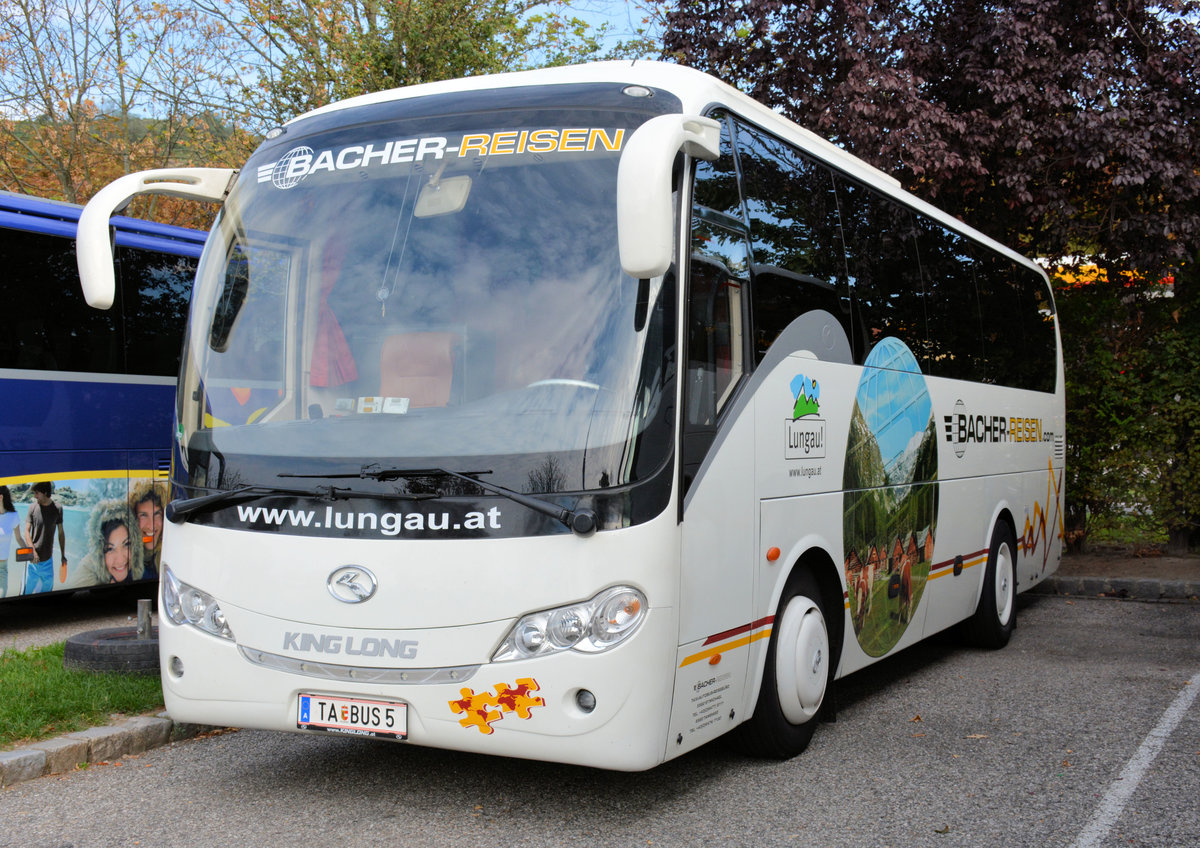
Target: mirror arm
[(93, 245), (645, 217)]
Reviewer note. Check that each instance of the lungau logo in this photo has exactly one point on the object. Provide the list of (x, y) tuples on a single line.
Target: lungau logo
[(808, 396), (805, 430), (352, 584)]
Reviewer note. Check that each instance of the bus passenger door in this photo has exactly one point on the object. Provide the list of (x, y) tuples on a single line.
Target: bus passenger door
[(719, 524)]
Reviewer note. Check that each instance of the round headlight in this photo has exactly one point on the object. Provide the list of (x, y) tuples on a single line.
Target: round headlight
[(530, 638), (214, 619), (193, 605), (567, 626), (617, 616)]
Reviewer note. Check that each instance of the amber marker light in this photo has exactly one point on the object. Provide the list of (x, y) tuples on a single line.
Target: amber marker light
[(714, 659), (773, 554)]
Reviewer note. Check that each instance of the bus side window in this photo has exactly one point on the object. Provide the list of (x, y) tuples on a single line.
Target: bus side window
[(1003, 329), (1018, 327), (952, 307), (155, 289), (886, 290), (52, 328), (1037, 314), (796, 239), (716, 184)]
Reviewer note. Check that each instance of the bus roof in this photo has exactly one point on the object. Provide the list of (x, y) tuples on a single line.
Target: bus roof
[(698, 92), (59, 218)]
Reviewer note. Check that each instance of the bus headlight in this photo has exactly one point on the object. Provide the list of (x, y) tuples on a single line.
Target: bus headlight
[(184, 604), (592, 626)]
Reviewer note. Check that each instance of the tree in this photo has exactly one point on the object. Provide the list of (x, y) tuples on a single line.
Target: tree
[(92, 89), (1061, 128), (297, 55)]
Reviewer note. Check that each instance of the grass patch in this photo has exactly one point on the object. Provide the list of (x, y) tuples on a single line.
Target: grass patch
[(39, 698)]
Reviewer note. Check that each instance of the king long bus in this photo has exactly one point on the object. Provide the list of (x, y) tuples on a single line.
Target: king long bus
[(587, 415), (86, 397)]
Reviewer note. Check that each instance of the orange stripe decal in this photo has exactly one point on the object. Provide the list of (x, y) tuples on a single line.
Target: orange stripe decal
[(760, 629)]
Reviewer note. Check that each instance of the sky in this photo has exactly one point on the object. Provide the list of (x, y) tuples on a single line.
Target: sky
[(623, 16)]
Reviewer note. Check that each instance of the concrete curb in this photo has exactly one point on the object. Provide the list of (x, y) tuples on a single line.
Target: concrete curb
[(1138, 588), (94, 745)]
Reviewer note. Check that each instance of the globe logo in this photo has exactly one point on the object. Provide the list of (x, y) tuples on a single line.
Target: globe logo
[(287, 172)]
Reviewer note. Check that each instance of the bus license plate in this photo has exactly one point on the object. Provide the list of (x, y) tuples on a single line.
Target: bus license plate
[(354, 716)]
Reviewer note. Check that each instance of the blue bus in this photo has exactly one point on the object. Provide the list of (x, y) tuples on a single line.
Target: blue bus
[(86, 399)]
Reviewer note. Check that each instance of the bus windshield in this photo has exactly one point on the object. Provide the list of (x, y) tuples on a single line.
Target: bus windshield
[(425, 293)]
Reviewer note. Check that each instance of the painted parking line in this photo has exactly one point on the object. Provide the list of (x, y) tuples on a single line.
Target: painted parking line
[(1122, 789)]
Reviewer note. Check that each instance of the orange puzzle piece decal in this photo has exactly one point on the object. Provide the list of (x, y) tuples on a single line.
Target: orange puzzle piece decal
[(480, 709)]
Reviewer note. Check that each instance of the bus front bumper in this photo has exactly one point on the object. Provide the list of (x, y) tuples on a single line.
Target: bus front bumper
[(608, 710)]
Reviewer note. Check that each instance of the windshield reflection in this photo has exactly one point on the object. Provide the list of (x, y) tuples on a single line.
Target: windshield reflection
[(458, 311)]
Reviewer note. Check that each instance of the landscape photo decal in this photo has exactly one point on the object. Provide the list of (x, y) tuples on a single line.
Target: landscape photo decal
[(891, 496)]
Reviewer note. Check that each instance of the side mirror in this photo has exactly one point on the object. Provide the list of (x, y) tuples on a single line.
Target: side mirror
[(93, 248), (645, 218)]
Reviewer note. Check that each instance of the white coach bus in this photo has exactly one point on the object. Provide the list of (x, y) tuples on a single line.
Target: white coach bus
[(586, 415)]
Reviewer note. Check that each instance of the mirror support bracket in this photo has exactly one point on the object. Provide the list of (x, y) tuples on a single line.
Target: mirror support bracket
[(93, 244), (645, 216)]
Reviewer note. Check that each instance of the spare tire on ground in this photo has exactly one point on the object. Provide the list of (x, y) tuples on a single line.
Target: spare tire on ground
[(113, 649)]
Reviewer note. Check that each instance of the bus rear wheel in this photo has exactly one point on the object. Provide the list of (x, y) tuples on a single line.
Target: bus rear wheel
[(995, 617), (796, 676)]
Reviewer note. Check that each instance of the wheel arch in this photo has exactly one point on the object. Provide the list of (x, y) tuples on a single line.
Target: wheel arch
[(821, 565), (813, 564), (812, 556)]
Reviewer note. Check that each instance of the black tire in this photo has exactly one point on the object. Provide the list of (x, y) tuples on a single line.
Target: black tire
[(113, 649), (786, 714), (995, 616)]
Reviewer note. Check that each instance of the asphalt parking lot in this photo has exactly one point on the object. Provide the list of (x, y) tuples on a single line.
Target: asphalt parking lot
[(1083, 732)]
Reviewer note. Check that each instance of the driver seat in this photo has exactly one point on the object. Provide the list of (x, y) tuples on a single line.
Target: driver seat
[(418, 366)]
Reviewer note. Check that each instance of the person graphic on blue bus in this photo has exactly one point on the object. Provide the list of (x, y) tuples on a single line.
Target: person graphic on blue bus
[(147, 504), (44, 518), (10, 531), (114, 546)]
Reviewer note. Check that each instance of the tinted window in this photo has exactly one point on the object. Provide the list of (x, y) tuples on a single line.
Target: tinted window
[(799, 261), (1041, 346), (716, 186), (886, 290), (955, 346), (716, 338), (819, 240), (53, 328), (1018, 324), (1003, 327), (156, 289)]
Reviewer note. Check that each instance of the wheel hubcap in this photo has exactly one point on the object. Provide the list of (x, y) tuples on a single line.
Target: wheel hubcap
[(1004, 584), (801, 660)]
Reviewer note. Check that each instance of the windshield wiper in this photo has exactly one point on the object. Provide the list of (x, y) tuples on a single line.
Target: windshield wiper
[(178, 510), (579, 521)]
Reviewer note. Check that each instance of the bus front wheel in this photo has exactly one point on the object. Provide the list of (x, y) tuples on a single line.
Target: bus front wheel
[(995, 617), (796, 676)]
